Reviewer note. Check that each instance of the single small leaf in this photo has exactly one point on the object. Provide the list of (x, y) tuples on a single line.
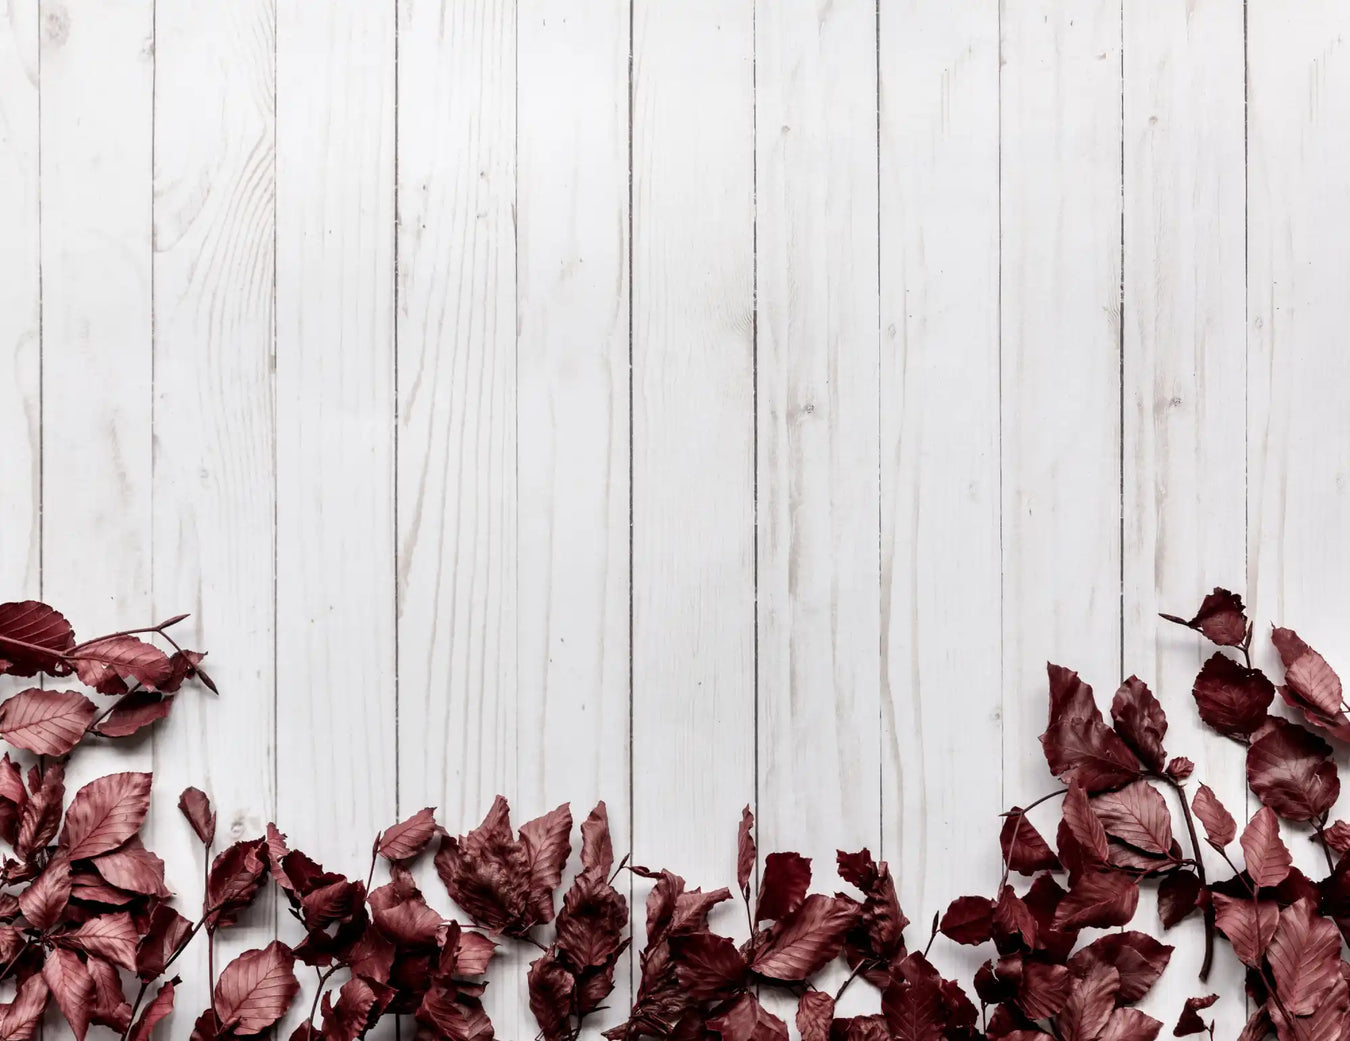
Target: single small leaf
[(72, 987), (1248, 925), (110, 936), (1024, 848), (1221, 618), (408, 838), (44, 901), (1190, 1021), (787, 876), (134, 711), (256, 989), (1141, 722), (101, 664), (1084, 824), (160, 1007), (745, 851), (1290, 770), (105, 813), (1305, 957), (1232, 698), (1268, 860), (48, 722), (33, 639), (196, 807), (807, 939), (1137, 814), (969, 920), (1220, 828)]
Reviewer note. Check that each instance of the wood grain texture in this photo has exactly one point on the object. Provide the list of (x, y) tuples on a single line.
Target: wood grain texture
[(819, 757), (572, 407), (939, 219), (693, 434), (335, 427), (20, 302), (214, 425), (1184, 372), (459, 728), (1298, 431), (1060, 290)]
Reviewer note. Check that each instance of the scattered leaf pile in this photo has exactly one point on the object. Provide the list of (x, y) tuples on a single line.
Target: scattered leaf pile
[(87, 924)]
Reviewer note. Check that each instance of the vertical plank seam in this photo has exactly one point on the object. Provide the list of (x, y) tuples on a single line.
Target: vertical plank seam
[(754, 387), (1002, 577), (41, 336), (515, 370), (1246, 353), (276, 437), (632, 795), (882, 659), (394, 394), (1120, 367), (154, 345)]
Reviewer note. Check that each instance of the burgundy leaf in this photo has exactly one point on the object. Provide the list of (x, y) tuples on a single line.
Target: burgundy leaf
[(1305, 957), (256, 989), (1088, 752), (1248, 925), (160, 1007), (196, 807), (44, 901), (1129, 1024), (969, 920), (1221, 618), (1043, 989), (20, 1018), (46, 633), (347, 1018), (1141, 722), (1190, 1021), (748, 1020), (913, 1010), (233, 882), (105, 813), (1290, 770), (1310, 683), (133, 867), (551, 988), (111, 936), (787, 876), (1268, 861), (165, 933), (1084, 824), (1098, 898), (72, 987), (547, 842), (707, 965), (1338, 836), (807, 939), (1178, 894), (134, 711), (48, 722), (42, 813), (1024, 849), (1138, 959), (1219, 825), (1232, 698), (1091, 1002), (1180, 769), (406, 839), (745, 851), (1137, 814), (815, 1012), (591, 923), (101, 663), (597, 852)]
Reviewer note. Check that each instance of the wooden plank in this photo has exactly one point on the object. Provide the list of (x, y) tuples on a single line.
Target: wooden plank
[(456, 346), (819, 757), (572, 428), (1184, 374), (693, 435), (1298, 430), (1060, 290), (213, 479), (335, 427), (20, 304), (941, 566)]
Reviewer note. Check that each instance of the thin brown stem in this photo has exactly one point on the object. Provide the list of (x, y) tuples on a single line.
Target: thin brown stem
[(1200, 873)]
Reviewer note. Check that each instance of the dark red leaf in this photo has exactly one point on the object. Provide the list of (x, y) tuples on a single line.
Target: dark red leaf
[(1043, 989), (44, 901), (745, 851), (1221, 618), (105, 813), (347, 1018), (42, 813), (38, 626), (803, 942), (160, 1007), (913, 1010), (1305, 958), (1098, 898), (1290, 770), (1268, 860), (551, 988), (1084, 824), (1024, 849), (597, 852), (196, 807), (1338, 836), (20, 1018), (256, 989), (1129, 1024), (134, 711), (72, 987), (233, 882), (1232, 698), (1248, 925), (748, 1020), (1310, 683), (783, 887), (1220, 828), (48, 722), (815, 1012), (1190, 1021), (1177, 897), (110, 936), (1088, 752), (592, 921), (1138, 959), (408, 838), (969, 920), (707, 965), (1180, 769), (1141, 722), (133, 867), (101, 664), (1091, 1001), (166, 931), (1136, 814), (547, 843)]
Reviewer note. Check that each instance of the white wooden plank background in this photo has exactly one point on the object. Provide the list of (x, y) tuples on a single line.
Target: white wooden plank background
[(689, 403)]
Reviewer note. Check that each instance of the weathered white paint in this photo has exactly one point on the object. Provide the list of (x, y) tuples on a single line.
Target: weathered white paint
[(751, 397)]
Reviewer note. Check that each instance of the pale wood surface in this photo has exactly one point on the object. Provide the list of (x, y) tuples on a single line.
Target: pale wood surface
[(737, 406)]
